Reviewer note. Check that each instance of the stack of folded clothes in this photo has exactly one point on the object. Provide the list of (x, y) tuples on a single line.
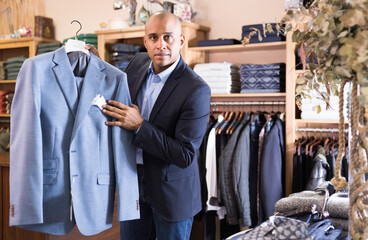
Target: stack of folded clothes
[(2, 70), (123, 53), (89, 38), (13, 66), (221, 77), (4, 139), (337, 206), (6, 97), (308, 105), (47, 47), (218, 42), (9, 99), (262, 78), (270, 37)]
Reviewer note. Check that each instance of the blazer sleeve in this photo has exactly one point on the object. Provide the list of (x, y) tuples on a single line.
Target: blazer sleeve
[(26, 160), (190, 128), (125, 163)]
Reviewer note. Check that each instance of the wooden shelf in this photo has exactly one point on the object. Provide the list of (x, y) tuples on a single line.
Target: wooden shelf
[(305, 121), (249, 97), (28, 42), (4, 115), (298, 72), (7, 81), (241, 47), (4, 159)]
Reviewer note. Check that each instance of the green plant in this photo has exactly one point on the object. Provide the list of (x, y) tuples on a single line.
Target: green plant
[(334, 34)]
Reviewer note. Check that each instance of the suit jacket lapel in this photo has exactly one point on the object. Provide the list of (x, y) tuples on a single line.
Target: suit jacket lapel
[(91, 85), (65, 78), (169, 86), (135, 83)]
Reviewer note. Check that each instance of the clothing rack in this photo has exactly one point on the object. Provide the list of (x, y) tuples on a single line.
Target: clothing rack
[(247, 103), (4, 120), (324, 130), (268, 106)]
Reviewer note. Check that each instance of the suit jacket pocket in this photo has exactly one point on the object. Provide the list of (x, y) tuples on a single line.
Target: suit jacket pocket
[(49, 177), (50, 164), (178, 175), (104, 179)]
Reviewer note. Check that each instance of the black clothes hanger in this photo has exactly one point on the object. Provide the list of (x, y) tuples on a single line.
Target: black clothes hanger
[(75, 45)]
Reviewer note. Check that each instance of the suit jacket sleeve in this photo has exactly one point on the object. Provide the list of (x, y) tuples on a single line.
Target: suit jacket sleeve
[(190, 127), (125, 163), (26, 160)]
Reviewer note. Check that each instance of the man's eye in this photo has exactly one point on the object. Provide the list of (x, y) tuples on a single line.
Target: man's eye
[(168, 37), (153, 37)]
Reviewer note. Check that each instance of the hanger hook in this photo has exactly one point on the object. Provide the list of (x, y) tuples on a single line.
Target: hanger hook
[(80, 28)]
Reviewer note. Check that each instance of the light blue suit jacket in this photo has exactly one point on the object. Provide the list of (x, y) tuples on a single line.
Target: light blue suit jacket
[(60, 145)]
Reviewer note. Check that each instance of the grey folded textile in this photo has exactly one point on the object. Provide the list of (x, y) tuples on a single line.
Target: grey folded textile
[(252, 67), (49, 45), (4, 140), (307, 198), (12, 76), (46, 50), (338, 205), (340, 223), (19, 59), (260, 91), (126, 48), (263, 73)]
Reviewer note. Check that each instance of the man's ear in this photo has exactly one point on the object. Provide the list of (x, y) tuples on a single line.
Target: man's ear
[(182, 40), (144, 41)]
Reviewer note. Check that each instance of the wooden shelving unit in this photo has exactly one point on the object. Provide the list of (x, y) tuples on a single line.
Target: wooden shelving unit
[(241, 48), (12, 48)]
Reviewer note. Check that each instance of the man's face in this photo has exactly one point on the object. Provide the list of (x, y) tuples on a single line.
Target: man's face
[(163, 41)]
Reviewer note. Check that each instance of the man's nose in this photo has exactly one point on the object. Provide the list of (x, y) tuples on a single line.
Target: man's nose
[(161, 44)]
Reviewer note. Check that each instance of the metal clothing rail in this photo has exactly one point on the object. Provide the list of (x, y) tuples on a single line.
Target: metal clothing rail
[(253, 103), (328, 130)]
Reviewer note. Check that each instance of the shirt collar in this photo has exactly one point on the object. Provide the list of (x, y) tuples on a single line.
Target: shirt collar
[(164, 75)]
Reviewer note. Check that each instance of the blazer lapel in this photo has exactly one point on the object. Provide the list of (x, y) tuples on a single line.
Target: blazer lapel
[(169, 86), (135, 84), (91, 84), (65, 78)]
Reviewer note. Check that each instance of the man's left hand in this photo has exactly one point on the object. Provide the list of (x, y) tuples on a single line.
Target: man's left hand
[(126, 117)]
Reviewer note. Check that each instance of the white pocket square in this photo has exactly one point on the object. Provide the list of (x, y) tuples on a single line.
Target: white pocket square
[(98, 101)]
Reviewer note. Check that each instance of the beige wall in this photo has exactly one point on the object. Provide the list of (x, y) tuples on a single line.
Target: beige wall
[(224, 17)]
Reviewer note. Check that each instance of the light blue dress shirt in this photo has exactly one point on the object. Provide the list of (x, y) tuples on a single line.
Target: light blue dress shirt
[(148, 95)]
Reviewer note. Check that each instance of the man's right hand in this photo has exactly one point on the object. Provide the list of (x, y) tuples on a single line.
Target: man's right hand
[(92, 49)]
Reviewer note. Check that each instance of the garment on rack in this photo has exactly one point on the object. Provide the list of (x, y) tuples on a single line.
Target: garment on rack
[(234, 160), (308, 155), (271, 169), (65, 162), (239, 167)]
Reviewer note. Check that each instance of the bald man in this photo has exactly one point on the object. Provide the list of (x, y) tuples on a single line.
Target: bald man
[(169, 118)]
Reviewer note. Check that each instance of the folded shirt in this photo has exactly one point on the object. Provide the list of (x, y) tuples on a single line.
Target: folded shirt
[(19, 59), (260, 91), (218, 42), (263, 73), (272, 66), (215, 66), (47, 45)]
